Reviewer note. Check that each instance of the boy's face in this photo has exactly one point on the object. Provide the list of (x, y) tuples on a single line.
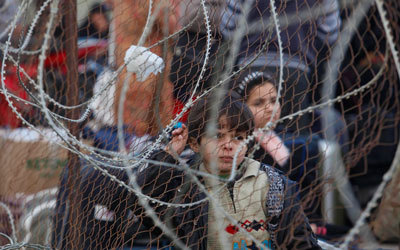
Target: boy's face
[(221, 149), (261, 101)]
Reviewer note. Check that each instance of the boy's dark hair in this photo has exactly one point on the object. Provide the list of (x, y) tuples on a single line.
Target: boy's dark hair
[(249, 80), (239, 116)]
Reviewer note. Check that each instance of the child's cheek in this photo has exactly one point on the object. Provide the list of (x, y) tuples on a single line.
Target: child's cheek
[(243, 151), (210, 148)]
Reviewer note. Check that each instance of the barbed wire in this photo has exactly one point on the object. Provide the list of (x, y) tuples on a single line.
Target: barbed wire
[(52, 117), (396, 161), (10, 221)]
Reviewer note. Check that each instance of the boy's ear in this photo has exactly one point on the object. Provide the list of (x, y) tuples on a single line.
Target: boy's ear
[(194, 145)]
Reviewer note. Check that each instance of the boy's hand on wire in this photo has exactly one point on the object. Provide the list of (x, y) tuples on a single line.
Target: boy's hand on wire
[(178, 140)]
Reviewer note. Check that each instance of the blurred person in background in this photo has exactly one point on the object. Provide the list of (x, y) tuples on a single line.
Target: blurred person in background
[(306, 41), (97, 24), (295, 155)]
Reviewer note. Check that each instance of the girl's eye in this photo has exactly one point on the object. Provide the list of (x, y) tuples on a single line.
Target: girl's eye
[(258, 103), (273, 100)]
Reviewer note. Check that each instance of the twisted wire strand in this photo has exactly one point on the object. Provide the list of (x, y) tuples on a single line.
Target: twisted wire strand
[(146, 31), (310, 109), (3, 86), (33, 24), (396, 161), (57, 130), (54, 9), (117, 72), (328, 90), (16, 50), (280, 47), (388, 32), (11, 26), (54, 114), (104, 88), (276, 104), (19, 245), (11, 221), (40, 72), (192, 101), (211, 126), (374, 201), (347, 95), (132, 178), (169, 127), (210, 197), (7, 237)]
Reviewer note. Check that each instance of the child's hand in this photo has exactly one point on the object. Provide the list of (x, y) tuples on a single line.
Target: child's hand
[(178, 140), (274, 145)]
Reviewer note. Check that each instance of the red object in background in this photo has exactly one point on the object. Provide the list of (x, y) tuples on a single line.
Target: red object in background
[(54, 60), (85, 47), (7, 116), (178, 108)]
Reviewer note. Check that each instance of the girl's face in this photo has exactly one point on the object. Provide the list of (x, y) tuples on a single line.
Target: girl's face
[(261, 101)]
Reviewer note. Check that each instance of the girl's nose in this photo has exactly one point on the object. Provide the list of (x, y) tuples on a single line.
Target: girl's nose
[(270, 107)]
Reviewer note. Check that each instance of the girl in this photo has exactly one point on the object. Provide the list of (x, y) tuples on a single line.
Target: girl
[(296, 156), (260, 94)]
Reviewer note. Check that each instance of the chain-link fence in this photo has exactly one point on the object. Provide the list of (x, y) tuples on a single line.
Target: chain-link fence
[(199, 124)]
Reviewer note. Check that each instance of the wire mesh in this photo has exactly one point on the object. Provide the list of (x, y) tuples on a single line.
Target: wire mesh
[(200, 124)]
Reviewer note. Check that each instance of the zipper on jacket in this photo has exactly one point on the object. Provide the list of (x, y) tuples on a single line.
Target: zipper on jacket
[(230, 186), (230, 189)]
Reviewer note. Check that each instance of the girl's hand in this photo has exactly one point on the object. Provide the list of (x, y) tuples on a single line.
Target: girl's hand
[(274, 145), (178, 140)]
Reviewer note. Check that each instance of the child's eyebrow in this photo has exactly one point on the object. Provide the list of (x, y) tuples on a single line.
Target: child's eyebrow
[(222, 126)]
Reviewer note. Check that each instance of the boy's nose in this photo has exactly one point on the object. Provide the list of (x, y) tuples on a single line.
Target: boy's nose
[(227, 144)]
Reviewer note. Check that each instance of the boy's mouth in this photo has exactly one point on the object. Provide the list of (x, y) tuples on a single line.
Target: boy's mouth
[(226, 158)]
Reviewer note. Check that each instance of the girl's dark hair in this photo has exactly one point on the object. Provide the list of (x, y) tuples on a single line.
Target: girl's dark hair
[(239, 116), (248, 81)]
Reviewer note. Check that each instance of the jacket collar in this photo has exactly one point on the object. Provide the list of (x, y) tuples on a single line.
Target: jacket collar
[(250, 167)]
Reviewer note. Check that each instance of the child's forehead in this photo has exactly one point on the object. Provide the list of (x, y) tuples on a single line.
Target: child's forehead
[(226, 124), (267, 87)]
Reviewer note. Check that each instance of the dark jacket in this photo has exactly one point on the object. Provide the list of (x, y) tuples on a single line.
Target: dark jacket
[(130, 227), (95, 190), (301, 167), (302, 40), (172, 185)]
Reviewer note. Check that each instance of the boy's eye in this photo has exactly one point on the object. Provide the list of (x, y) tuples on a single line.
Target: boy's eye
[(218, 136), (239, 138)]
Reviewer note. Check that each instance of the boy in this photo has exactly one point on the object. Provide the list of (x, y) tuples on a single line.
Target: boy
[(262, 201)]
